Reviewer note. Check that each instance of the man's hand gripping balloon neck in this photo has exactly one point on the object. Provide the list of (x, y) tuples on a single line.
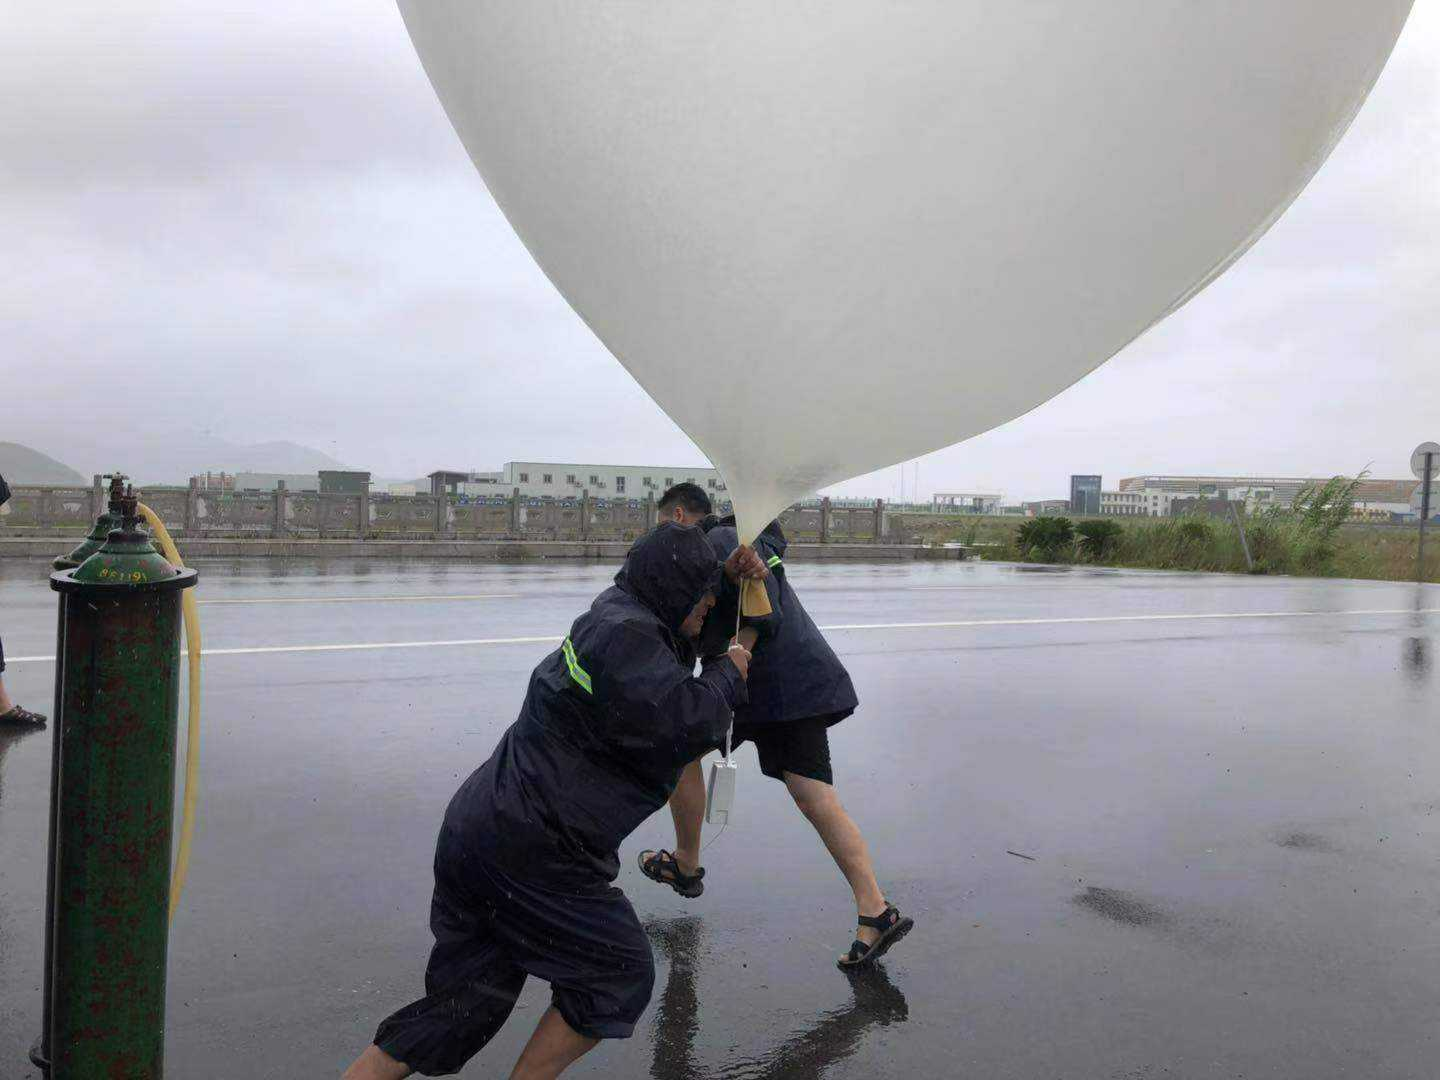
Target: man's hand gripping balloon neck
[(744, 563)]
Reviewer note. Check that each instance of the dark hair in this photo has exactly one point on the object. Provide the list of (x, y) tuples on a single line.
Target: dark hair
[(691, 496)]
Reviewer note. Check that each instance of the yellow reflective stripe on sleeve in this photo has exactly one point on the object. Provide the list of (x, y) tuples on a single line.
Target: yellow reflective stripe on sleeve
[(773, 561), (578, 673)]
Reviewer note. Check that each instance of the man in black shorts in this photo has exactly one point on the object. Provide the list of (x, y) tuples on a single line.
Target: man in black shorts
[(797, 689), (527, 852)]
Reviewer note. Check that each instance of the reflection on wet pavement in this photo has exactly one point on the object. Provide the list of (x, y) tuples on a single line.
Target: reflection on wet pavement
[(834, 1036), (10, 736), (1416, 659)]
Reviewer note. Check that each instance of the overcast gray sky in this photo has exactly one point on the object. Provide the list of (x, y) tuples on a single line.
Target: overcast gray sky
[(255, 221)]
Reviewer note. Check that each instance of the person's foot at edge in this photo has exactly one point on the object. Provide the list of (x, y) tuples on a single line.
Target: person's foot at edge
[(18, 717)]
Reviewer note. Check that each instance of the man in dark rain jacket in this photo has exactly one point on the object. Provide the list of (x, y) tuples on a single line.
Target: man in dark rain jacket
[(528, 848), (797, 690)]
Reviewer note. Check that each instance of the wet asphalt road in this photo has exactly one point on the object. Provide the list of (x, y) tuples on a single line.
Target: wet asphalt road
[(1232, 826)]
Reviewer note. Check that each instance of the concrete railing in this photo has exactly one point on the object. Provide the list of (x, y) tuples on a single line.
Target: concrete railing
[(198, 512)]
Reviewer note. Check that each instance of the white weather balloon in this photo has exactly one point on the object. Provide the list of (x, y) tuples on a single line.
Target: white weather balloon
[(830, 235)]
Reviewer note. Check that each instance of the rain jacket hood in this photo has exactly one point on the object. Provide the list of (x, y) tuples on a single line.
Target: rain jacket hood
[(668, 570)]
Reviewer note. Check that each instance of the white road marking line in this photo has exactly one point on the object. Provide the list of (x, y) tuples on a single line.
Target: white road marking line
[(957, 625), (349, 647), (1129, 618), (381, 645), (1051, 586), (354, 599)]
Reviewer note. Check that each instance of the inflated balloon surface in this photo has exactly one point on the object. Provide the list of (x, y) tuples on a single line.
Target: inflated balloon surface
[(830, 235)]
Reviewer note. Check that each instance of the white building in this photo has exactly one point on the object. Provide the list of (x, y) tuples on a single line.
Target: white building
[(1253, 497), (1282, 489), (968, 502), (1123, 504), (483, 483), (1380, 500), (1144, 503), (1262, 491), (570, 479)]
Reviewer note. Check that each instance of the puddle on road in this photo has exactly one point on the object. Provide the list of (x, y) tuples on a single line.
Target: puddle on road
[(1306, 841), (1122, 907)]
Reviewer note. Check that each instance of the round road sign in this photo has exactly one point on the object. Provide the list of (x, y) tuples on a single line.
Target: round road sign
[(1417, 459)]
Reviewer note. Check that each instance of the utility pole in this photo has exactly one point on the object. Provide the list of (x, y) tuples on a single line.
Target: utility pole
[(1244, 544)]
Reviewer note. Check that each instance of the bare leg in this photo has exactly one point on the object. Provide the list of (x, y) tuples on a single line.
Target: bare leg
[(376, 1064), (687, 807), (821, 807), (552, 1049), (6, 704)]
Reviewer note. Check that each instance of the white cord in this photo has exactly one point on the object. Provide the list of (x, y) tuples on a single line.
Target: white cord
[(717, 836), (729, 732)]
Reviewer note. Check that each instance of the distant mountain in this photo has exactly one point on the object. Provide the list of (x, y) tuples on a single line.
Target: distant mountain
[(173, 457), (22, 465), (268, 457)]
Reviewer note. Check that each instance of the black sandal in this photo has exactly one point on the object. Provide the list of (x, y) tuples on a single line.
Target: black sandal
[(22, 718), (662, 867), (892, 926)]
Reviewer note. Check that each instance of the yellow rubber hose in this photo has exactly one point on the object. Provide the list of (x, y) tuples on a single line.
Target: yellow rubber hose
[(192, 731)]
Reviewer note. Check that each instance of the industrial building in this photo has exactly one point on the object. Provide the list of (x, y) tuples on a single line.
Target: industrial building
[(256, 481), (627, 481), (1386, 496), (1045, 507), (1373, 498), (1085, 495), (458, 482), (328, 481), (968, 502), (1124, 504), (563, 480), (343, 482)]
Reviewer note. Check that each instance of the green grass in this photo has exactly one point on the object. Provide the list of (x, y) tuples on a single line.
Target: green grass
[(1277, 547), (1311, 539)]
